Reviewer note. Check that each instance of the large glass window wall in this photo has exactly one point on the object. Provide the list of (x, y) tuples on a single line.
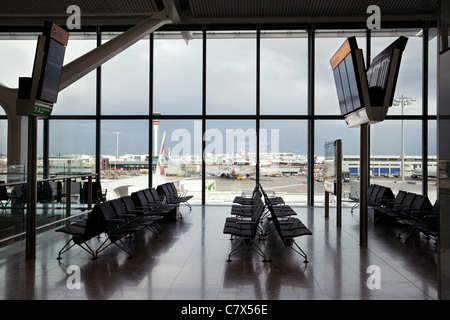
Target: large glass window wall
[(327, 42), (283, 161), (71, 146), (221, 86), (125, 81), (177, 85), (329, 131), (177, 147), (79, 97), (284, 72), (230, 157), (17, 57), (231, 73)]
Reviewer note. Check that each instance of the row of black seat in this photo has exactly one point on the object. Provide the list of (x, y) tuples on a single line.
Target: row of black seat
[(252, 217), (119, 219), (414, 212), (171, 194)]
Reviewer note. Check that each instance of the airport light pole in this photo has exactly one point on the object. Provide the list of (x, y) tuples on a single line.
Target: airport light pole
[(155, 136), (403, 101), (117, 148)]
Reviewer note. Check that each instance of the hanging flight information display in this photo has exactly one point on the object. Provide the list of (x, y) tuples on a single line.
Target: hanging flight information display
[(365, 95), (350, 77), (37, 94)]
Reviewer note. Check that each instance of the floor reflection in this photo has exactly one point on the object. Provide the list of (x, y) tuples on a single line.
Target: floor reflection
[(188, 261)]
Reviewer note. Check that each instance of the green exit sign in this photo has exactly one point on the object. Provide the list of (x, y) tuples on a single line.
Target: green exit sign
[(40, 110)]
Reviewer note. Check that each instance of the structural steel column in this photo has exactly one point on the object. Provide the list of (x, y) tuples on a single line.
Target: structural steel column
[(364, 182), (258, 98), (311, 52), (98, 112), (425, 112), (203, 116), (150, 111), (31, 189), (338, 143)]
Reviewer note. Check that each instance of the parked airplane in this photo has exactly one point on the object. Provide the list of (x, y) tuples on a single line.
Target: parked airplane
[(239, 173), (417, 173), (125, 186), (236, 173)]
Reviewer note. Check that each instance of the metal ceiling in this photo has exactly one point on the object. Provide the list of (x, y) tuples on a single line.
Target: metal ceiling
[(130, 12), (303, 8)]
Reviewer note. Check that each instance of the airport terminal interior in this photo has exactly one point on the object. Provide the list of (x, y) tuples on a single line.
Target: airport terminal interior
[(224, 150)]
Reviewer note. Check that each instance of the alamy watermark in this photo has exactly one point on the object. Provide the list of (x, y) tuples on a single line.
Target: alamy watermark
[(374, 21), (228, 141), (374, 280), (74, 20), (74, 277)]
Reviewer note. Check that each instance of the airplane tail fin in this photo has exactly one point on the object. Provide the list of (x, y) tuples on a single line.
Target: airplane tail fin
[(160, 167)]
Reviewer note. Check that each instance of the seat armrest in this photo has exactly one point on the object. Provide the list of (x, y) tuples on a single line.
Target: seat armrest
[(418, 214), (430, 218), (115, 220)]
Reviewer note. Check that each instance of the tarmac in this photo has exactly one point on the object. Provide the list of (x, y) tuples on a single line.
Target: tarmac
[(293, 188)]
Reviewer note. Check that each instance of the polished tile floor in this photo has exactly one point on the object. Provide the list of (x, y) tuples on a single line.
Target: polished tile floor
[(188, 262)]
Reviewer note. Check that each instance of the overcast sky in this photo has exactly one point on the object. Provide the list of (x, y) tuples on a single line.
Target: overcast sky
[(231, 89)]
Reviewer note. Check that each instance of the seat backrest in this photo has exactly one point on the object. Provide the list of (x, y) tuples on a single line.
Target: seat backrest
[(160, 191), (139, 198), (421, 203), (155, 195), (98, 194), (380, 195), (256, 205), (400, 197), (257, 214), (109, 214), (370, 190), (388, 195), (129, 204), (166, 190), (257, 196), (148, 195), (3, 192), (95, 224), (172, 188), (118, 206), (374, 193), (59, 191), (275, 220), (408, 200)]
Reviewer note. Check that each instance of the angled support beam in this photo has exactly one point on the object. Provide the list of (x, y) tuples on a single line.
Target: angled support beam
[(70, 74), (96, 57), (17, 135), (8, 97), (176, 8)]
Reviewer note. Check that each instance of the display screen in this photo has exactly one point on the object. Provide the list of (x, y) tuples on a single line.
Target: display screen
[(383, 72), (51, 73), (329, 167), (345, 72)]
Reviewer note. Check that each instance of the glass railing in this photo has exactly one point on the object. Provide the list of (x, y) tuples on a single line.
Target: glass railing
[(59, 199)]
